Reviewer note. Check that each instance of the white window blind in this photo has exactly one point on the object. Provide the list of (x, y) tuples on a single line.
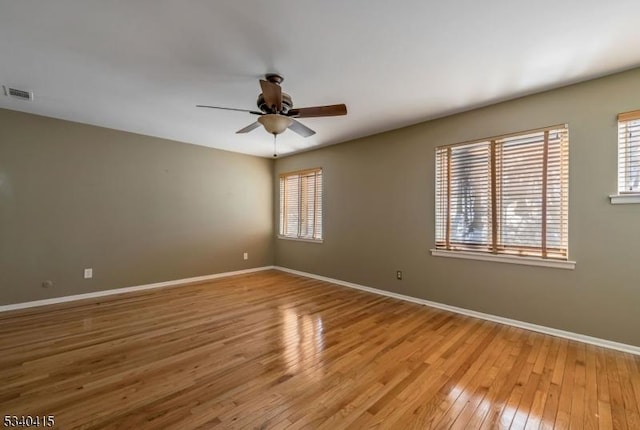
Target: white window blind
[(629, 152), (301, 204), (505, 195)]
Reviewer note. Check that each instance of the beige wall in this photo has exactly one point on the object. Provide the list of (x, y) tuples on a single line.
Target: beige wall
[(379, 216), (136, 209)]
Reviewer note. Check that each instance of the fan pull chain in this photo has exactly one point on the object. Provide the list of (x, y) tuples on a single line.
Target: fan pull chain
[(275, 153)]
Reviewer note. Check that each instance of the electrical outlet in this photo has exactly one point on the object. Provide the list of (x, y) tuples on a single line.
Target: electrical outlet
[(88, 273), (399, 275), (245, 255)]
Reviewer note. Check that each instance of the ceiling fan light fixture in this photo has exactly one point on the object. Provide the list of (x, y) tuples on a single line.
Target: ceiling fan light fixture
[(274, 123)]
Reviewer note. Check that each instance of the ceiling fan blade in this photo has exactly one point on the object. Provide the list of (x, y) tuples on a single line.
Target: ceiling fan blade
[(301, 129), (315, 111), (235, 109), (248, 128), (272, 94)]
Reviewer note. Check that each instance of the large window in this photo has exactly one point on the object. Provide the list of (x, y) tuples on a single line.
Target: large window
[(301, 205), (629, 152), (505, 195)]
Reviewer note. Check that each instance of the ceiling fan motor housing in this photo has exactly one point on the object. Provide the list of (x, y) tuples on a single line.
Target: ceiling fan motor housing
[(274, 78), (286, 104)]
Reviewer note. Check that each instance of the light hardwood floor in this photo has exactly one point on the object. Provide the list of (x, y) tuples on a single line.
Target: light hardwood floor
[(272, 350)]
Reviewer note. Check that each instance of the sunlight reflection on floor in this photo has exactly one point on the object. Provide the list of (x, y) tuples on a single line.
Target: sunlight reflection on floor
[(303, 343)]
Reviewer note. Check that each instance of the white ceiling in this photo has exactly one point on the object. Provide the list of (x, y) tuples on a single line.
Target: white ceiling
[(143, 65)]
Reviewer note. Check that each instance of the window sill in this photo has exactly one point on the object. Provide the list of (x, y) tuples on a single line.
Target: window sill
[(528, 261), (624, 199), (297, 239)]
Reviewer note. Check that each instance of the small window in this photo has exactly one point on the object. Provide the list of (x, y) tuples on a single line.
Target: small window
[(629, 152), (505, 195), (301, 205)]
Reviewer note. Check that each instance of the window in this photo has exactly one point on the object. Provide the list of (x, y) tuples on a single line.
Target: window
[(505, 195), (301, 205), (628, 158)]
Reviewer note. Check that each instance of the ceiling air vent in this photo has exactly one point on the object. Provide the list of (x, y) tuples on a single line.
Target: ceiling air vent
[(19, 94)]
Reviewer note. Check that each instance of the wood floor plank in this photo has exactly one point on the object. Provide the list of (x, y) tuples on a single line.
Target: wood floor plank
[(433, 409), (605, 420), (627, 382), (543, 367), (519, 356), (552, 402), (618, 415), (565, 403), (510, 411), (591, 387), (578, 395), (271, 350)]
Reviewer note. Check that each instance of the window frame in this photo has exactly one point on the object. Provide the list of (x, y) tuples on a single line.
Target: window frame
[(318, 205), (622, 196), (494, 249)]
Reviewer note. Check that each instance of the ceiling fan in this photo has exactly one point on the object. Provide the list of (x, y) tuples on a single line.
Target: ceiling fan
[(276, 111)]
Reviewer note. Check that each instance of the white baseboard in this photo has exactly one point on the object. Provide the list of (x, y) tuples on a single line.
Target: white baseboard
[(631, 349), (103, 293)]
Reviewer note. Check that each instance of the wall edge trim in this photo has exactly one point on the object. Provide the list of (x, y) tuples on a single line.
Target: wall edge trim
[(618, 346), (103, 293)]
